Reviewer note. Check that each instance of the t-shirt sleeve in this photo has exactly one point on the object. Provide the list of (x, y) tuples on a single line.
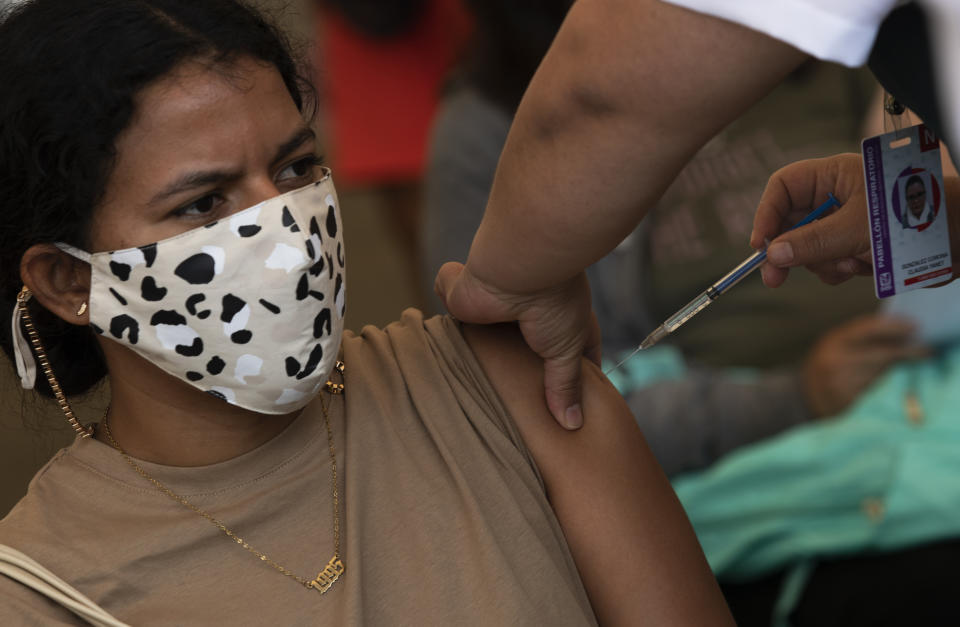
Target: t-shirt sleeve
[(829, 30), (429, 362), (469, 382)]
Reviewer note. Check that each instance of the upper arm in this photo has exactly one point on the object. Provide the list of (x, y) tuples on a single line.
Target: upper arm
[(643, 57), (627, 93), (633, 545)]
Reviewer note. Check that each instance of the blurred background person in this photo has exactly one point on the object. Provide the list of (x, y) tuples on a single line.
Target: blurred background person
[(852, 520), (382, 63)]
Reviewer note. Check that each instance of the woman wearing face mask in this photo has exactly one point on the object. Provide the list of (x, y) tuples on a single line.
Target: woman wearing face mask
[(167, 223)]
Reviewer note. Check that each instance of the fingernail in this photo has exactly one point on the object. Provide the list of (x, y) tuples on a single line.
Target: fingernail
[(847, 266), (573, 417), (780, 254), (763, 275)]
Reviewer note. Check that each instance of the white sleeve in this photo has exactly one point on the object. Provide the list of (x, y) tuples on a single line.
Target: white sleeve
[(832, 30)]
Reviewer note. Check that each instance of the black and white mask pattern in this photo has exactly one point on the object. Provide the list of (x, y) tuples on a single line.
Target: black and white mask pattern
[(248, 308)]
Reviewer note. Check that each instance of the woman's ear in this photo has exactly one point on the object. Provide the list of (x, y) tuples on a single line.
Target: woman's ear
[(58, 281)]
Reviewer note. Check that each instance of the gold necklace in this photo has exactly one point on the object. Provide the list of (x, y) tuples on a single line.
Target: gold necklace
[(22, 299), (334, 568)]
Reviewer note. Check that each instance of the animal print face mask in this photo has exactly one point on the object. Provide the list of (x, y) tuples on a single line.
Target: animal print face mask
[(248, 308)]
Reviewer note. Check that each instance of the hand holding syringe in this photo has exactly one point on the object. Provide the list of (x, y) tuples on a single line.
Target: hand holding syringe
[(713, 292)]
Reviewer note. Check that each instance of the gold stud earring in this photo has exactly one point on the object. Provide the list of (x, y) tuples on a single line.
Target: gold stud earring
[(83, 309), (22, 298)]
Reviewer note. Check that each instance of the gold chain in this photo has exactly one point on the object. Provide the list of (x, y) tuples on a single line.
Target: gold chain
[(334, 568), (22, 298)]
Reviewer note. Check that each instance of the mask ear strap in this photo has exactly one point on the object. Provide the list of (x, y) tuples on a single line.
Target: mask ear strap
[(82, 255), (22, 355)]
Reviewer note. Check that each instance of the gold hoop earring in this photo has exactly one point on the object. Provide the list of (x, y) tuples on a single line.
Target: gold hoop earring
[(83, 309), (22, 298)]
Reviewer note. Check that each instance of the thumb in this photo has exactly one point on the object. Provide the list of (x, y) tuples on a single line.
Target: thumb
[(561, 379), (837, 236)]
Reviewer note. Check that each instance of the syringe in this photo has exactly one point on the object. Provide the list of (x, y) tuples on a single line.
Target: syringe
[(719, 288)]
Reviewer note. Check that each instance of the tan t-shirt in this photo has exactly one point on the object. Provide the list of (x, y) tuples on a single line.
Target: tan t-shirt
[(445, 519)]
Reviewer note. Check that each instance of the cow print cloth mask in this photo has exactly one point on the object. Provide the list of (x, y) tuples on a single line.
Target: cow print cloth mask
[(248, 308)]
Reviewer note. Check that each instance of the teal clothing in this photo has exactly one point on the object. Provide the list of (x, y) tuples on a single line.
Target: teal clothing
[(654, 365), (870, 480)]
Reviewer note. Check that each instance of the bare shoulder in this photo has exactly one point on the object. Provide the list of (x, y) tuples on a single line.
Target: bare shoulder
[(634, 547)]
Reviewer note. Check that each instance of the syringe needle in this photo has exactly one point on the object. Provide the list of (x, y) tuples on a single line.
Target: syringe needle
[(621, 362), (658, 334)]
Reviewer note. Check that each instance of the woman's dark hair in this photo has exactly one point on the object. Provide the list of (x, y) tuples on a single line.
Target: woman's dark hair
[(914, 180), (71, 71)]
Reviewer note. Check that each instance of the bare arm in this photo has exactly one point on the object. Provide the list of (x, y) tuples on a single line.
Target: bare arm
[(633, 545), (628, 92)]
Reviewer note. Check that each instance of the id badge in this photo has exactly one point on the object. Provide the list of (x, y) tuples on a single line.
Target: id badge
[(909, 237)]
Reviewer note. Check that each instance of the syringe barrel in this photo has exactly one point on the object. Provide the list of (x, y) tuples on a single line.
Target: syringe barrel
[(739, 273), (691, 309)]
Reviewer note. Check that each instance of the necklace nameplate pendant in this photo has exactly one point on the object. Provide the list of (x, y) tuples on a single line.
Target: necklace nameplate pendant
[(328, 576)]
